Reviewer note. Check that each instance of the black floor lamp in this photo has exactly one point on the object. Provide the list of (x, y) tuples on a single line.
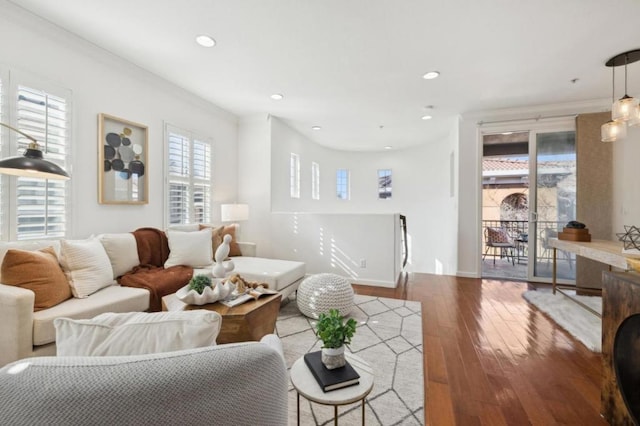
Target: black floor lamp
[(31, 164)]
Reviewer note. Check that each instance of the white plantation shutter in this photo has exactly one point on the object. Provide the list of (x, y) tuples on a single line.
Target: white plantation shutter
[(189, 177), (40, 204)]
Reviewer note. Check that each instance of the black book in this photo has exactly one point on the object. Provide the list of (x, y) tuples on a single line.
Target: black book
[(329, 380)]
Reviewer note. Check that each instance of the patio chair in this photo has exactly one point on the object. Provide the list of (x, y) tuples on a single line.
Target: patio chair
[(502, 244)]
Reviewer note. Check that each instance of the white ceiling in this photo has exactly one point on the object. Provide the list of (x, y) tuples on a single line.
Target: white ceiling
[(352, 66)]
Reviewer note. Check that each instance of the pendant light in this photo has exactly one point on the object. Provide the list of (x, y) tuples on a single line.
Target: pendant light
[(625, 111), (613, 130), (624, 107)]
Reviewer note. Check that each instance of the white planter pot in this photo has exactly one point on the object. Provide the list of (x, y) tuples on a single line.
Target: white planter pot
[(333, 357)]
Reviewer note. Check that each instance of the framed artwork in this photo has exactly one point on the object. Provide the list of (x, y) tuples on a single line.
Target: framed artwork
[(384, 184), (122, 161)]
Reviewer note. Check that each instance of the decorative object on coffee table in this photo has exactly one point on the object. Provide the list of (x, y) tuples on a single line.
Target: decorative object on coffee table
[(321, 292), (335, 333), (202, 290), (222, 267)]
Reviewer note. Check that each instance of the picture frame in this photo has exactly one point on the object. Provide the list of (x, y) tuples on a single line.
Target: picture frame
[(122, 161)]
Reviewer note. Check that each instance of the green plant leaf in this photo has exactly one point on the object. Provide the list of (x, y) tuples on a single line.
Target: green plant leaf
[(333, 330)]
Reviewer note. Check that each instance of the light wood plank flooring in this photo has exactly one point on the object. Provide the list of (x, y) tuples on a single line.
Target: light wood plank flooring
[(490, 358)]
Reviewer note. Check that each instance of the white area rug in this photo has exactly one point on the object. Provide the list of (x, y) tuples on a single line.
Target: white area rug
[(389, 338), (577, 321)]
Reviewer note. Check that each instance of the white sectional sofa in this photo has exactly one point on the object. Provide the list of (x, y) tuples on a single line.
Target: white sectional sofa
[(232, 384), (25, 333)]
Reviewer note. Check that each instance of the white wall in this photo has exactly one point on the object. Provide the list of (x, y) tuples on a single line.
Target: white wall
[(421, 190), (254, 180), (102, 82), (339, 243), (626, 181)]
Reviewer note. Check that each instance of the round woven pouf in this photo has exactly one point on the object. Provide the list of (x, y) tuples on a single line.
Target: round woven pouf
[(321, 292)]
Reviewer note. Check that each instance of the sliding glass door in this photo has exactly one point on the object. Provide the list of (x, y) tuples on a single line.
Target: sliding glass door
[(528, 194), (553, 201)]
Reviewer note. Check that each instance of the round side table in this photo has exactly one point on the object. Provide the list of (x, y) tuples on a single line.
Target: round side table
[(306, 385)]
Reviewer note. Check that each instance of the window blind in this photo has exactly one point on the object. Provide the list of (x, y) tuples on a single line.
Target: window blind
[(41, 203), (189, 178)]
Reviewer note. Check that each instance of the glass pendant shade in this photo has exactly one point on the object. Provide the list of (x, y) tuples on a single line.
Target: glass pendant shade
[(634, 119), (612, 130), (623, 108)]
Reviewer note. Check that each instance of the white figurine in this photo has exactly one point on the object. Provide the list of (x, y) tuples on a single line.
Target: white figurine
[(221, 268)]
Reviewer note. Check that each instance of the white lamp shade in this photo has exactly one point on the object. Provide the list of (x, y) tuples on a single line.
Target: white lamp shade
[(234, 212), (611, 131)]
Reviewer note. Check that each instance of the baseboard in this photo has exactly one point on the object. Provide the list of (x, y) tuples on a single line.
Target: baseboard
[(465, 274), (375, 283)]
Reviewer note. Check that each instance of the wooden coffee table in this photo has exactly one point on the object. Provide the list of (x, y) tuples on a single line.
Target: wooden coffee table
[(250, 321)]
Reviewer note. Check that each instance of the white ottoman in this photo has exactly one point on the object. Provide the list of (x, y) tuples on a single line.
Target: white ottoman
[(321, 292)]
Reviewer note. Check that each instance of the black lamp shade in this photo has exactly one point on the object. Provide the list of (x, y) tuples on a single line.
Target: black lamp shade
[(32, 165)]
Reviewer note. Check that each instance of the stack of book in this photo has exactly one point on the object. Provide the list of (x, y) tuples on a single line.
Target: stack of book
[(329, 380)]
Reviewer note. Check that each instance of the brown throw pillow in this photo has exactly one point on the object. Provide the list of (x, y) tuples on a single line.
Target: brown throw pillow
[(216, 239), (39, 272)]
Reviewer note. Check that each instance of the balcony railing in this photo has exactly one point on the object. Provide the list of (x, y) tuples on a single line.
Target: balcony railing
[(518, 230)]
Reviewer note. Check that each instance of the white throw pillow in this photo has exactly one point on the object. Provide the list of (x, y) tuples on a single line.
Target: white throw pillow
[(189, 248), (122, 251), (137, 333), (87, 266)]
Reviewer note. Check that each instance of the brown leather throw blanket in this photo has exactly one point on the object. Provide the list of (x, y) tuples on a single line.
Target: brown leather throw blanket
[(153, 251)]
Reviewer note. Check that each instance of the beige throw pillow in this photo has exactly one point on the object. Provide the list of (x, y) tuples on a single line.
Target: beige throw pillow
[(189, 248), (87, 266), (39, 272)]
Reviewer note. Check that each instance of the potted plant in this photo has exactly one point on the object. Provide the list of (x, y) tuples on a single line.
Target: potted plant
[(199, 282), (334, 333)]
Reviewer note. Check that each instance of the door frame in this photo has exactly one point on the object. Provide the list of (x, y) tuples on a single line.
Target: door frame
[(533, 127)]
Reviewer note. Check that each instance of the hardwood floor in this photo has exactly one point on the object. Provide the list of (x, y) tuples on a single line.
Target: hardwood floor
[(490, 358)]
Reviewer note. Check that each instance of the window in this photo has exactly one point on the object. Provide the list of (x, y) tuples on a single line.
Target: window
[(384, 184), (37, 208), (189, 177), (315, 180), (342, 184), (294, 176)]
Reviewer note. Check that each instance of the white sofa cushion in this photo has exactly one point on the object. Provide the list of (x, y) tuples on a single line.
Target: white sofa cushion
[(122, 251), (189, 248), (137, 333), (277, 273), (87, 266), (110, 299)]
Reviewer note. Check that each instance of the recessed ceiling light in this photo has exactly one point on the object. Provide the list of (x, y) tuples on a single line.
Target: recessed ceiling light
[(205, 41), (431, 75), (316, 128), (507, 133), (427, 117), (277, 96), (388, 147)]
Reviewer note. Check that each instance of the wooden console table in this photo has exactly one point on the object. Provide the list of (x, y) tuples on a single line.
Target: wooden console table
[(604, 251)]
